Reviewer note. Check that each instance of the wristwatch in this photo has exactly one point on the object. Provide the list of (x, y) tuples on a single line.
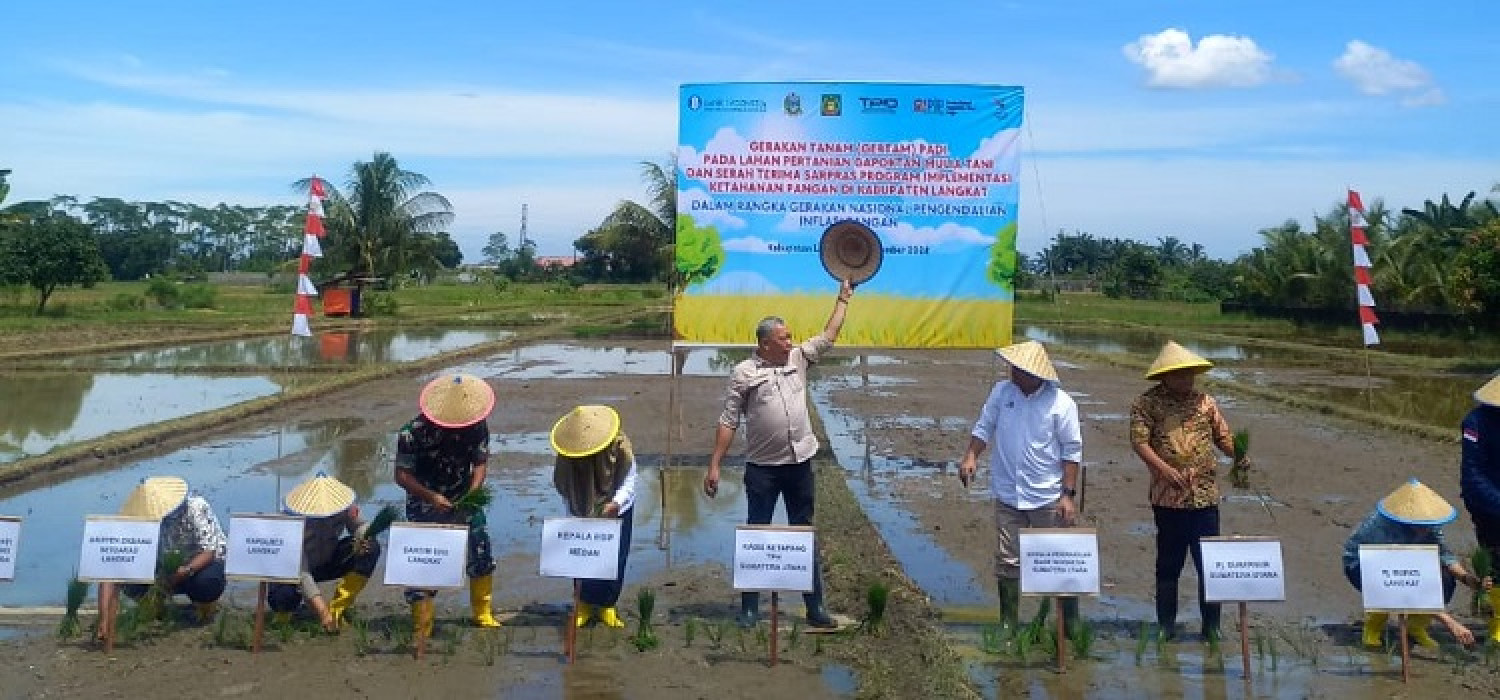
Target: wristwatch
[(1070, 493)]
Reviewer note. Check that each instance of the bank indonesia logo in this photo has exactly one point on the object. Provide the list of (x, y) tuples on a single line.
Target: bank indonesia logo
[(832, 105), (792, 103), (695, 103), (879, 105)]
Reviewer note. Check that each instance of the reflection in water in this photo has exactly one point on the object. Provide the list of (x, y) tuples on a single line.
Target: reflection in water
[(376, 346), (41, 412), (1134, 341), (559, 361)]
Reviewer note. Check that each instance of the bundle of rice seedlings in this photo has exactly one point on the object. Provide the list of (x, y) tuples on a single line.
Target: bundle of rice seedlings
[(1240, 476), (71, 627), (473, 503), (876, 597), (645, 637), (1484, 566), (379, 524)]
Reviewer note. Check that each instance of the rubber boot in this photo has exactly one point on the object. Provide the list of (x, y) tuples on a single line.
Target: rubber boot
[(610, 617), (749, 615), (1212, 614), (422, 612), (479, 601), (1010, 602), (1374, 633), (817, 616), (1494, 596), (1416, 628), (1166, 608), (206, 612), (343, 596), (1070, 613), (583, 614)]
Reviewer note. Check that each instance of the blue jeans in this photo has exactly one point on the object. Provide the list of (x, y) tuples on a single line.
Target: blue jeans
[(606, 592)]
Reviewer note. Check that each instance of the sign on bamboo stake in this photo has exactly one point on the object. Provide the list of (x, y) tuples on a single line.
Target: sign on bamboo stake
[(119, 548), (1242, 569), (773, 558), (427, 555), (10, 543), (581, 548), (265, 547), (1059, 561), (1401, 578)]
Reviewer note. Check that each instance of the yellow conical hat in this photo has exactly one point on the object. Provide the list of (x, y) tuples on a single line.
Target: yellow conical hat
[(1489, 394), (585, 430), (320, 497), (457, 400), (1416, 504), (1175, 357), (155, 497), (1030, 357)]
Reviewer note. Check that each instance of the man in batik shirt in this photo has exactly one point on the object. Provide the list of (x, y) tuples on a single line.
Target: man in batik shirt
[(1175, 428)]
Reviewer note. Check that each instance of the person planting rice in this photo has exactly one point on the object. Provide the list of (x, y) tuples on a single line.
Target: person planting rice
[(189, 530), (327, 553), (1480, 481), (1412, 514), (595, 474)]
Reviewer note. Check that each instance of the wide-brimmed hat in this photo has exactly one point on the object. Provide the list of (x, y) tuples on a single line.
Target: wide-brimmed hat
[(456, 400), (1174, 357), (155, 497), (585, 430), (1489, 394), (1030, 357), (851, 251), (320, 497), (1416, 504)]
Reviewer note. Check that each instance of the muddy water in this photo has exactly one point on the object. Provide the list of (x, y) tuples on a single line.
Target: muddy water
[(364, 347)]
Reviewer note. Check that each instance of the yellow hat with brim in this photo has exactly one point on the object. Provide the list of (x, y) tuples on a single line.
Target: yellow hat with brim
[(1174, 357), (585, 430), (320, 497), (155, 497), (1489, 394), (457, 400), (1030, 357), (1416, 504)]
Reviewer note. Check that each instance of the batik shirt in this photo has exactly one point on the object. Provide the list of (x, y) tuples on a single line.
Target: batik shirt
[(1184, 432), (192, 529), (442, 459)]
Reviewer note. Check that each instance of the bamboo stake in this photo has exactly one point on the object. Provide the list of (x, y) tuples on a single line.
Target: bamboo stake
[(1405, 653), (1062, 636), (260, 617), (775, 623), (1245, 638), (570, 637)]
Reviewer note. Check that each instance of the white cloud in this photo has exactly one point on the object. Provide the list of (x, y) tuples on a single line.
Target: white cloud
[(748, 244), (1172, 61), (1374, 71), (717, 218), (741, 282), (947, 232)]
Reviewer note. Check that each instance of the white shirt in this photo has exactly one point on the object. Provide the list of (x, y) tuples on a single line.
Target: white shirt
[(625, 495), (1029, 438)]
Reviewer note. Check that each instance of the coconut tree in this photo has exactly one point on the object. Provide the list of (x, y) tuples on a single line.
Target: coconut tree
[(638, 238), (373, 223)]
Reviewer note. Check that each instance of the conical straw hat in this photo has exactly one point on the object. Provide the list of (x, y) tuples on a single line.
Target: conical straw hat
[(1174, 357), (1416, 504), (851, 251), (155, 497), (320, 497), (585, 430), (457, 400), (1030, 357), (1489, 394)]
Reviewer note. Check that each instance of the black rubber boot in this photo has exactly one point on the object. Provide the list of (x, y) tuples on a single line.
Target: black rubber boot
[(749, 615), (1010, 602)]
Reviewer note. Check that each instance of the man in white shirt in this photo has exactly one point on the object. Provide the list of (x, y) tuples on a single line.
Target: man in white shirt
[(1032, 424)]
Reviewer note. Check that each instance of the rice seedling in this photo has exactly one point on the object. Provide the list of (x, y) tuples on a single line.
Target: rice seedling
[(716, 633), (451, 638), (1142, 638), (1082, 637), (474, 502), (992, 639), (1483, 566), (645, 636), (221, 630), (361, 635), (739, 638), (761, 635), (379, 524), (401, 633), (876, 598), (689, 630), (795, 637), (70, 626), (1239, 475)]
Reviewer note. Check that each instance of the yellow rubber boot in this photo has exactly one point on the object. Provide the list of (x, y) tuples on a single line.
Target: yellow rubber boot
[(479, 600), (1374, 637), (422, 613), (343, 596), (1416, 628), (610, 617), (1494, 596), (206, 612), (583, 614)]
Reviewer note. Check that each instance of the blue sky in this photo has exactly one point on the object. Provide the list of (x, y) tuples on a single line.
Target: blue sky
[(1202, 120)]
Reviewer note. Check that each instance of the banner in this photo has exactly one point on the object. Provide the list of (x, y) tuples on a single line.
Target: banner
[(766, 169)]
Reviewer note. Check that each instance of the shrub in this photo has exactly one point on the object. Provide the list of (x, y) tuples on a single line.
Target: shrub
[(165, 293), (379, 304), (125, 302), (200, 296)]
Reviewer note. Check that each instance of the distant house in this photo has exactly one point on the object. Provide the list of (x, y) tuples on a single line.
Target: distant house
[(555, 261)]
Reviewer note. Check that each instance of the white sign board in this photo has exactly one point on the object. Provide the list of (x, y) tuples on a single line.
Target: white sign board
[(1401, 578), (264, 547), (426, 555), (1242, 570), (1063, 561), (10, 541), (773, 558), (581, 548), (119, 549)]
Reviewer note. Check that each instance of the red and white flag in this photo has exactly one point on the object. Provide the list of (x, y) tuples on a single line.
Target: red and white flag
[(1362, 281), (311, 248)]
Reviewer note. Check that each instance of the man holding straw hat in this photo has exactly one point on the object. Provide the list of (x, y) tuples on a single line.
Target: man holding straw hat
[(189, 530), (769, 391), (1174, 429), (1480, 480), (441, 455), (595, 474), (327, 552), (1412, 514), (1031, 426)]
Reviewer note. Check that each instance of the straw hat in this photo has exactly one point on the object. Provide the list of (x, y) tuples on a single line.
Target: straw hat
[(851, 251), (1030, 357), (585, 430), (320, 497), (1416, 504), (1489, 394), (155, 497), (457, 400), (1174, 357)]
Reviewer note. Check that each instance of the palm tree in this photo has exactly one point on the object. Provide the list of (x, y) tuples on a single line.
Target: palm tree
[(372, 225), (639, 238)]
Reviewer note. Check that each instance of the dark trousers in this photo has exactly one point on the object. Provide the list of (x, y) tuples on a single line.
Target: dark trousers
[(286, 597), (1450, 584), (204, 586), (794, 484), (1177, 533), (606, 592), (1487, 531)]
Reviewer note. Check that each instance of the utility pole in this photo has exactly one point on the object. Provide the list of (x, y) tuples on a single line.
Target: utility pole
[(522, 244)]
